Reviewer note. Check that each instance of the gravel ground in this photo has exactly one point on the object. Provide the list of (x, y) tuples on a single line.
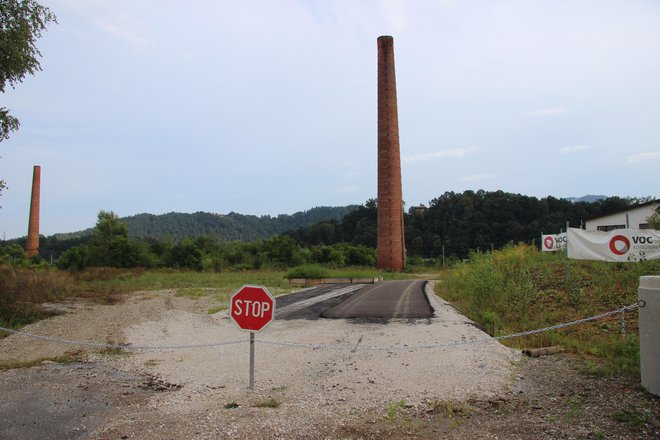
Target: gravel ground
[(473, 391)]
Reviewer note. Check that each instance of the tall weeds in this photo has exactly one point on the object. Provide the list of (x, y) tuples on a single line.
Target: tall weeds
[(22, 289), (520, 288)]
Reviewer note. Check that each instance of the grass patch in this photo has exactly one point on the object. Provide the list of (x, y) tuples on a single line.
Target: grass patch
[(308, 271), (66, 358), (268, 403), (317, 271), (456, 412), (393, 409), (195, 292), (124, 280), (575, 406), (520, 288), (632, 417), (113, 351), (191, 292), (217, 309)]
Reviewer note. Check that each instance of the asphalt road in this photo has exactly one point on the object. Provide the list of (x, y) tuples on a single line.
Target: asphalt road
[(310, 303), (384, 300)]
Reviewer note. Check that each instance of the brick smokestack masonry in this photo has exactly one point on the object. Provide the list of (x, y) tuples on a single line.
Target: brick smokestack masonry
[(390, 243), (32, 244)]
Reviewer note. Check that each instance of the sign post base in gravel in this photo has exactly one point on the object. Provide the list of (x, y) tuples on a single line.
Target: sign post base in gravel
[(252, 308)]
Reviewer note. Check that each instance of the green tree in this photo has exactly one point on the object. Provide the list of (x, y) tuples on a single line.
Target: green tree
[(654, 221), (13, 254), (2, 186), (21, 24), (186, 255), (74, 258), (330, 255), (359, 255), (110, 245)]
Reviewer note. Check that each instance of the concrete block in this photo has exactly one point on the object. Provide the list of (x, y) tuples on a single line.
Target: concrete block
[(649, 333)]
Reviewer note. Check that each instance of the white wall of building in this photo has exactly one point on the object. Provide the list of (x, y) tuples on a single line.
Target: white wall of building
[(636, 218)]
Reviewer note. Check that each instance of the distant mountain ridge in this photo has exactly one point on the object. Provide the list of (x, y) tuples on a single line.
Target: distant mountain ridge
[(232, 226), (589, 198)]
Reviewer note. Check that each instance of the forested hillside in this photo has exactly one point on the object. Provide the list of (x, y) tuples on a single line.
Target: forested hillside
[(455, 223), (176, 226), (452, 225), (232, 226)]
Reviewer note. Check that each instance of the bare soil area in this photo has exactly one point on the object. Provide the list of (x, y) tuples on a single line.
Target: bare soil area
[(394, 389)]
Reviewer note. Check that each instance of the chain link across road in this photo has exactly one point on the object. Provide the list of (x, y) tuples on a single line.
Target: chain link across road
[(338, 347)]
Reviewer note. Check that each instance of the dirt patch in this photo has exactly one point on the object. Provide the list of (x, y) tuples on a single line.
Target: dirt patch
[(551, 398), (54, 401)]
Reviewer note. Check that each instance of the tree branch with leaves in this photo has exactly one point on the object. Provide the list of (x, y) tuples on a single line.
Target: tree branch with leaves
[(21, 25)]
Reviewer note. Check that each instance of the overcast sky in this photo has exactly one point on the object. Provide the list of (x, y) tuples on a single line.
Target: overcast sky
[(269, 107)]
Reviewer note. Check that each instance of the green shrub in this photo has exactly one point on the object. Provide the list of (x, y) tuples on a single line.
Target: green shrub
[(23, 289), (309, 271), (491, 322), (13, 254)]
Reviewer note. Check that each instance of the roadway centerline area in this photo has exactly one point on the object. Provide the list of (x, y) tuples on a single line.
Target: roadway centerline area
[(310, 303), (384, 300)]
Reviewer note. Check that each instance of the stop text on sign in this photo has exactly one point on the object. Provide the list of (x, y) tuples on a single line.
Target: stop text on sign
[(256, 309), (252, 308)]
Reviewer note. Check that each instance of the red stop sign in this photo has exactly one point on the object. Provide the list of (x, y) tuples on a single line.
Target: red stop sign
[(252, 308)]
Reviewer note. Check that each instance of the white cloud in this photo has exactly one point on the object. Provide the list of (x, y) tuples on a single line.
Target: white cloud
[(573, 149), (548, 111), (641, 157), (454, 153), (478, 177)]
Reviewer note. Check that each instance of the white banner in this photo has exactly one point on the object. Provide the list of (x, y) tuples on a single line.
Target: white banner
[(615, 245), (553, 242)]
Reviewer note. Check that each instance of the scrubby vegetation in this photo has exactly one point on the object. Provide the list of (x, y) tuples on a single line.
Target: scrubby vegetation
[(520, 288), (23, 289)]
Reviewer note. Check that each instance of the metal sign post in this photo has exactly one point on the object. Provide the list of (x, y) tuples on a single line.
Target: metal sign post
[(251, 360), (252, 308)]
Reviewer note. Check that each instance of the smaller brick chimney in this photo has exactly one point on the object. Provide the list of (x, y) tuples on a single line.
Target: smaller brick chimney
[(32, 244)]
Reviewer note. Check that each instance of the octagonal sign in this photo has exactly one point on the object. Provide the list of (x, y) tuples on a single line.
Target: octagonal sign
[(252, 308)]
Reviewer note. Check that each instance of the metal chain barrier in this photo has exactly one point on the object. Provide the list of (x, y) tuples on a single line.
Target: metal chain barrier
[(338, 347), (576, 322)]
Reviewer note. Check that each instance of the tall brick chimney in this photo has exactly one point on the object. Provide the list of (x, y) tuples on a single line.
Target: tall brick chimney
[(390, 243), (32, 244)]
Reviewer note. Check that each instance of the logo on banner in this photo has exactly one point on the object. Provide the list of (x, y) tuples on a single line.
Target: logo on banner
[(553, 242), (622, 245), (619, 245), (549, 242)]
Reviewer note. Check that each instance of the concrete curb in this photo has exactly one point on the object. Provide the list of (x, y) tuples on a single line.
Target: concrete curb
[(442, 307), (317, 281)]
